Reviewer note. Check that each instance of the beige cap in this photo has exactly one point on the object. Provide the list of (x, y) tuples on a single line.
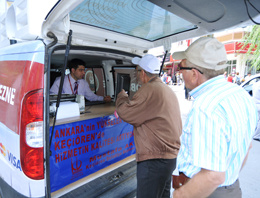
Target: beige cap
[(206, 52)]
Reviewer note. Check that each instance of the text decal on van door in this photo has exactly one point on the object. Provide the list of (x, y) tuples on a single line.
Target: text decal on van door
[(82, 148), (7, 94)]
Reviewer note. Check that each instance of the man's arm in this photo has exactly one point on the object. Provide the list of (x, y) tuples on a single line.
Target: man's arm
[(89, 95), (201, 185), (131, 111), (55, 87)]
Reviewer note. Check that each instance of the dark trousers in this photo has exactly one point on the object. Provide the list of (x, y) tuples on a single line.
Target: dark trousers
[(154, 178), (232, 191)]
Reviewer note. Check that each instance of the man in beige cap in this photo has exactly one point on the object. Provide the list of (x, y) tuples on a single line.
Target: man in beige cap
[(155, 114), (218, 131)]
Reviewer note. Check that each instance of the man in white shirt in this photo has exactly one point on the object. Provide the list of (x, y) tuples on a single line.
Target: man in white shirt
[(75, 84), (216, 137)]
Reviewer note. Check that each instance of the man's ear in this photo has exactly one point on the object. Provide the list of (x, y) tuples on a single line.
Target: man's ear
[(195, 76), (73, 70), (143, 73)]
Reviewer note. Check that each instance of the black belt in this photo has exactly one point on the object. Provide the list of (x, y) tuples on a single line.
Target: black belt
[(230, 186)]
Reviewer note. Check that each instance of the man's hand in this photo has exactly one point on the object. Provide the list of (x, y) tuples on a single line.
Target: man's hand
[(200, 185), (124, 93), (107, 99)]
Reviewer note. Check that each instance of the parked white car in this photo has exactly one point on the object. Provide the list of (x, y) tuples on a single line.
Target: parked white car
[(248, 84)]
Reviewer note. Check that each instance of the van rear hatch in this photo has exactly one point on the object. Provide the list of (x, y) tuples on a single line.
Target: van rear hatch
[(138, 25)]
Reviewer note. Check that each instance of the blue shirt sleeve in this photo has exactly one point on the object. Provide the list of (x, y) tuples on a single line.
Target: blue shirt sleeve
[(85, 90)]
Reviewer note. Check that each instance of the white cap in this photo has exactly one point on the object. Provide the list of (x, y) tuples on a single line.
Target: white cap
[(148, 62), (205, 52)]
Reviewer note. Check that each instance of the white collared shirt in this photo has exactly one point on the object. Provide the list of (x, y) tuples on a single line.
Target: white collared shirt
[(68, 86)]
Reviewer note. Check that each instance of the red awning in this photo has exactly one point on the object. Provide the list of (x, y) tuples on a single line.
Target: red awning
[(168, 65), (236, 47)]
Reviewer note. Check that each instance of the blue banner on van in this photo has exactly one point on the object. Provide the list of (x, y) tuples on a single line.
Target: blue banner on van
[(82, 148)]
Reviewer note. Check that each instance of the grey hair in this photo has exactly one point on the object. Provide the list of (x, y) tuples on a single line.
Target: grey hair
[(208, 73), (150, 75)]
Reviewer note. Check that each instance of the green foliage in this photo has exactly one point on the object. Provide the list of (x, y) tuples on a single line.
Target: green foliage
[(253, 38)]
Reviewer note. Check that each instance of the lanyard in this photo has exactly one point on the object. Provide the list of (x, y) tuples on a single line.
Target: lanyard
[(71, 87)]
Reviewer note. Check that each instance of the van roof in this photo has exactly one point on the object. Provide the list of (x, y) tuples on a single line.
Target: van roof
[(138, 25)]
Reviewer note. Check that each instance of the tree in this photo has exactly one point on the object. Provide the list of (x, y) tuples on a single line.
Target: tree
[(253, 40)]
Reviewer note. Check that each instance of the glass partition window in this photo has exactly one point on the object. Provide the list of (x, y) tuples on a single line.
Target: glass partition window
[(138, 18), (96, 80)]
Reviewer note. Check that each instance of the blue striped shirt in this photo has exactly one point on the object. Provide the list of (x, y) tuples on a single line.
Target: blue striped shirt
[(218, 130)]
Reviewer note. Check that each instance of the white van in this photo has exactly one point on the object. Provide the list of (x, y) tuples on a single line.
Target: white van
[(84, 150)]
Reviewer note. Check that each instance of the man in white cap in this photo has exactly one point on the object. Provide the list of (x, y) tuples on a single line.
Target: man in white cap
[(155, 114), (218, 131)]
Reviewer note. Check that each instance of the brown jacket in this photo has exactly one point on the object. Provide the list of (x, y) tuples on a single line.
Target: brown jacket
[(155, 114)]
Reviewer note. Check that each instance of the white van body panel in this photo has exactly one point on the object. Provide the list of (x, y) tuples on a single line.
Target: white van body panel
[(10, 166), (24, 18)]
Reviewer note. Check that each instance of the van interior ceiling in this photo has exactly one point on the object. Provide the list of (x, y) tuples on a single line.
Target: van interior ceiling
[(90, 55)]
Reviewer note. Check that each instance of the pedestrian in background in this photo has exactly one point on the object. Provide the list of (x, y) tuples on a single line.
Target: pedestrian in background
[(230, 78), (225, 75), (248, 76), (169, 80), (218, 131), (165, 78), (187, 92), (155, 114), (178, 77), (237, 79)]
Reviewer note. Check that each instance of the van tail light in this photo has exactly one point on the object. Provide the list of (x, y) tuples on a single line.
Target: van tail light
[(31, 136)]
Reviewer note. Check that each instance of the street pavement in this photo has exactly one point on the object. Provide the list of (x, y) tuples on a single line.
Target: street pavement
[(250, 175)]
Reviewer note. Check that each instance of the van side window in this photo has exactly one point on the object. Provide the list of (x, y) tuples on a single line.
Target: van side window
[(125, 78)]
